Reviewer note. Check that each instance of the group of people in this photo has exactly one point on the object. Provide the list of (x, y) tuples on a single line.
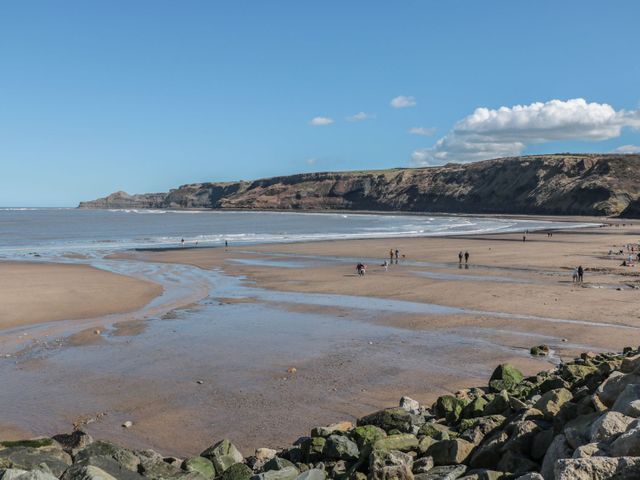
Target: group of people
[(394, 255), (578, 274), (461, 255)]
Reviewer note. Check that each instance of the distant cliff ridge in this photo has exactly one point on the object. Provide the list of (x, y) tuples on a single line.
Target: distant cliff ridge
[(562, 184)]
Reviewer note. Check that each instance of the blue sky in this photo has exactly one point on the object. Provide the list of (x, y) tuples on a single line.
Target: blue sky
[(147, 95)]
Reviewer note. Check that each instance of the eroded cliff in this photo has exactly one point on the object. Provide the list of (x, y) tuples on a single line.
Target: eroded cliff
[(589, 184)]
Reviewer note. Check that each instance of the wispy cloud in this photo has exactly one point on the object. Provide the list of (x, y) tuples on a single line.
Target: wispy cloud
[(317, 121), (628, 149), (358, 117), (311, 161), (403, 102), (506, 131), (425, 132)]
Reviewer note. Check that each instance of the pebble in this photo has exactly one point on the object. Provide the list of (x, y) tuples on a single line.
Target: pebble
[(127, 424), (199, 382)]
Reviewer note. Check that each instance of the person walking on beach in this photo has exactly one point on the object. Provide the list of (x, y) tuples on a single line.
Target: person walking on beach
[(524, 238), (460, 256), (466, 257), (360, 268), (226, 244), (385, 264), (391, 255), (182, 242), (397, 254), (580, 274), (575, 275)]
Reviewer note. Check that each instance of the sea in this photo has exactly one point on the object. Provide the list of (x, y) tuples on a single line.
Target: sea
[(50, 232)]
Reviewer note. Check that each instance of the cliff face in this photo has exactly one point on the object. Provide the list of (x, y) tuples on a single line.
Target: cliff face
[(544, 184)]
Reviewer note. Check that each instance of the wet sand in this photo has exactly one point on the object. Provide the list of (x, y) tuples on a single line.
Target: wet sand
[(424, 327), (32, 293)]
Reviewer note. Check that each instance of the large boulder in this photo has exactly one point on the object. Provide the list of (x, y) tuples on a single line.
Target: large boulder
[(608, 425), (91, 473), (339, 447), (551, 402), (29, 458), (100, 452), (367, 435), (612, 387), (313, 474), (449, 407), (237, 471), (390, 465), (558, 449), (627, 444), (447, 452), (403, 442), (628, 402), (505, 377), (333, 428), (446, 472), (622, 468), (200, 465), (288, 473), (391, 419), (223, 454)]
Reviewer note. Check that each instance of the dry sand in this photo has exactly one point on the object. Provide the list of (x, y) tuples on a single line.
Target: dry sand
[(32, 293)]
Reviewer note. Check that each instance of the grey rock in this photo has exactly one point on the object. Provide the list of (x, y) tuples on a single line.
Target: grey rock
[(74, 441), (92, 473), (445, 472), (36, 475), (448, 452), (313, 474), (612, 387), (628, 402), (422, 465), (287, 473), (531, 476), (390, 465), (392, 419), (628, 443), (223, 454), (622, 468), (200, 465), (277, 463), (558, 449), (29, 458), (410, 405), (11, 473), (608, 425), (123, 457), (578, 430), (339, 447)]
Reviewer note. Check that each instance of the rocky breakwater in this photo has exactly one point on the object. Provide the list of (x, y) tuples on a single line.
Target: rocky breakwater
[(578, 421)]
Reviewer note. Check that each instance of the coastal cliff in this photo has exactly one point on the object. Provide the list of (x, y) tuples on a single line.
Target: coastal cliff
[(560, 184)]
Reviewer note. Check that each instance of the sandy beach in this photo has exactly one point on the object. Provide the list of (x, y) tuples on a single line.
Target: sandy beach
[(32, 293), (425, 326)]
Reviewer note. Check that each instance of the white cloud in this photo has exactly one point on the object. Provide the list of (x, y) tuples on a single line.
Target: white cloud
[(628, 149), (403, 102), (316, 121), (358, 117), (425, 132), (506, 131), (311, 161)]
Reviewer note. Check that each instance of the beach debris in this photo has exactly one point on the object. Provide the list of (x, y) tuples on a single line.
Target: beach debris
[(97, 332), (127, 424), (292, 370), (199, 382)]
